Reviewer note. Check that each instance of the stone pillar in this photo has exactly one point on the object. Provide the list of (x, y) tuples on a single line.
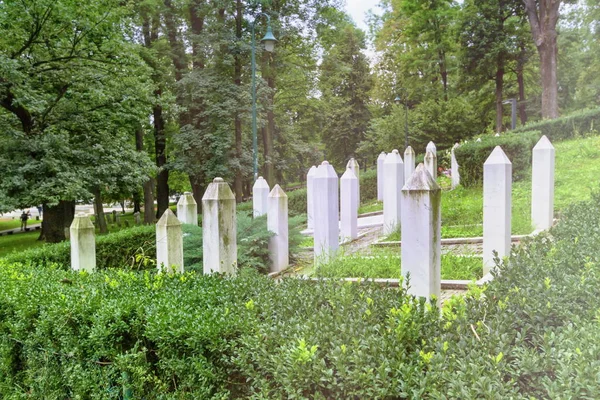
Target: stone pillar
[(409, 163), (348, 201), (380, 179), (169, 243), (277, 222), (353, 165), (542, 185), (187, 209), (260, 194), (393, 168), (114, 213), (454, 167), (326, 230), (118, 219), (310, 198), (83, 243), (497, 186), (431, 147), (421, 233), (219, 237), (137, 218), (431, 164)]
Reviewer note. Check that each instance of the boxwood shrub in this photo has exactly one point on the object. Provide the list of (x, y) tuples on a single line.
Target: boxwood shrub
[(577, 124), (472, 155)]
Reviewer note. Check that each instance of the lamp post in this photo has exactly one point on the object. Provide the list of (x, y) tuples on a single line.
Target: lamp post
[(398, 100), (269, 41)]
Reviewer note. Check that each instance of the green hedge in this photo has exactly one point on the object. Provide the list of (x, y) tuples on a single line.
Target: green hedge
[(531, 333), (577, 124), (472, 155)]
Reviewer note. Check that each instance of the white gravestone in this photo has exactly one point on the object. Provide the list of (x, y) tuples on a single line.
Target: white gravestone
[(326, 230), (353, 165), (431, 164), (348, 202), (219, 237), (380, 160), (394, 180), (454, 167), (421, 233), (83, 243), (260, 193), (497, 186), (187, 209), (277, 222), (542, 185), (310, 198), (169, 243), (409, 163)]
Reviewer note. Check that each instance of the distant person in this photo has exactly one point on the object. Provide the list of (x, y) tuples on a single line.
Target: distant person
[(24, 218)]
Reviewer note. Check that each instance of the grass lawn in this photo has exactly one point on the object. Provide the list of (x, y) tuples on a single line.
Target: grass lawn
[(385, 263), (7, 223), (18, 242)]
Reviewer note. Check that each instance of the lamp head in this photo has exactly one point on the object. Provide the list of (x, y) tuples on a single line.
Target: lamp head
[(398, 99), (269, 40)]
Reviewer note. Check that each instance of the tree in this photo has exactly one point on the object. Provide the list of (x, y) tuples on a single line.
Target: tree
[(71, 90)]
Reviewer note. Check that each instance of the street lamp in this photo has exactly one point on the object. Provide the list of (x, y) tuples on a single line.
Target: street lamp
[(398, 100), (269, 40)]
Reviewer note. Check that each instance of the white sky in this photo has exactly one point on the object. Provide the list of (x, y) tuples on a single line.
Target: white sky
[(358, 8)]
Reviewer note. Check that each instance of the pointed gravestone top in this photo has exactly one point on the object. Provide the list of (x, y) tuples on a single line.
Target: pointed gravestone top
[(277, 192), (168, 219), (393, 158), (497, 157), (431, 147), (430, 156), (82, 221), (456, 146), (326, 170), (260, 183), (409, 151), (218, 190), (543, 144), (352, 163), (312, 171), (478, 140), (349, 174), (421, 179), (381, 156), (187, 199)]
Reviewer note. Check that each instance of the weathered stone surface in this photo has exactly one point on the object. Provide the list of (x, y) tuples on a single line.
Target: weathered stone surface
[(431, 164), (421, 233), (310, 198), (187, 209), (380, 179), (431, 147), (83, 243), (542, 184), (137, 218), (348, 200), (394, 180), (169, 243), (353, 165), (277, 222), (497, 186), (260, 194), (219, 237), (454, 167), (326, 230), (409, 163)]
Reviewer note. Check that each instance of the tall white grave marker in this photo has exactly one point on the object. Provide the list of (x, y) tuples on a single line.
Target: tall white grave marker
[(169, 243), (431, 164), (277, 222), (187, 209), (260, 193), (421, 233), (83, 243), (310, 197), (348, 200), (353, 165), (431, 147), (497, 186), (380, 160), (409, 163), (394, 180), (454, 167), (326, 230), (219, 237), (542, 182)]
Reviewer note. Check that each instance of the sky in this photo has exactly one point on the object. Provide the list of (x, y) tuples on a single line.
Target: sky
[(357, 10)]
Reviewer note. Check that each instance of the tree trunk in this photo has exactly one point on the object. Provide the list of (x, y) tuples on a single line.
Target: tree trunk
[(56, 219), (149, 201), (139, 146), (160, 145), (197, 191), (237, 79), (521, 84), (99, 209), (548, 55), (499, 88)]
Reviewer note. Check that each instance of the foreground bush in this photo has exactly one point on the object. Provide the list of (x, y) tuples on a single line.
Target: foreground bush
[(577, 124)]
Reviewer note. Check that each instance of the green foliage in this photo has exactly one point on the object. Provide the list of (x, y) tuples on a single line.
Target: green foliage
[(472, 155), (578, 124)]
